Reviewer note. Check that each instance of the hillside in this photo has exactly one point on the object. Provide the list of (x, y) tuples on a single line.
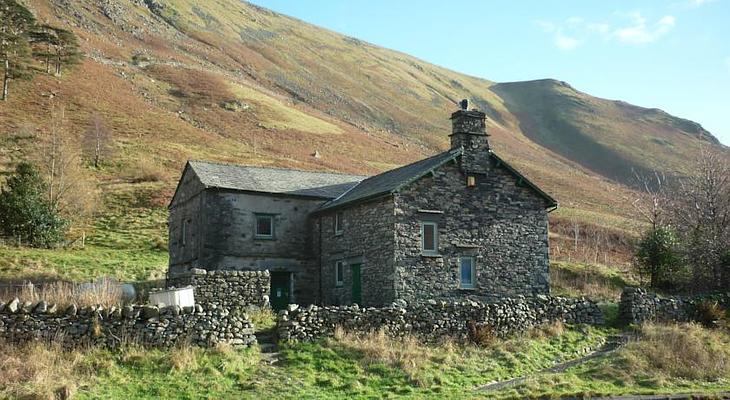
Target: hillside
[(229, 81)]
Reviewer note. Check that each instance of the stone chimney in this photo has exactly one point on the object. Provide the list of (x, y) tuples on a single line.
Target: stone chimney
[(469, 132)]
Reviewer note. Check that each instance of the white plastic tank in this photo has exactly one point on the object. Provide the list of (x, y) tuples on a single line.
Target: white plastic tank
[(182, 297)]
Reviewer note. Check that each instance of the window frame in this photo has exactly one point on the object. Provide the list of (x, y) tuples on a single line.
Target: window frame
[(339, 275), (473, 283), (256, 233), (338, 223), (435, 250)]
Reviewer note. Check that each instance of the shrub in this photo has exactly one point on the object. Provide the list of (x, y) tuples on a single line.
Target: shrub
[(657, 256), (481, 334), (25, 213), (711, 314)]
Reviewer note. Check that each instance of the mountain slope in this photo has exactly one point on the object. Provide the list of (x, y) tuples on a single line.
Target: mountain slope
[(225, 80)]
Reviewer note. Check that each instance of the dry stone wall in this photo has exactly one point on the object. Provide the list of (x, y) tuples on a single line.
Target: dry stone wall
[(231, 290), (639, 305), (148, 325), (433, 319)]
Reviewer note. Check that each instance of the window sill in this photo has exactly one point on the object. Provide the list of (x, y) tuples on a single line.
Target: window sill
[(470, 289), (432, 255), (338, 233), (264, 238), (339, 285)]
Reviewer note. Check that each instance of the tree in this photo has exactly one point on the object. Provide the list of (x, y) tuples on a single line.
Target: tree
[(55, 46), (97, 141), (71, 191), (16, 22), (24, 212), (700, 212), (656, 256)]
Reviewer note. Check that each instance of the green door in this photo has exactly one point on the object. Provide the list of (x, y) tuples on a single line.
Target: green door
[(280, 287), (356, 284)]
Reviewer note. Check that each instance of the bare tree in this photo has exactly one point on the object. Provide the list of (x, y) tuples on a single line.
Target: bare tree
[(97, 141), (72, 192), (700, 212), (651, 202)]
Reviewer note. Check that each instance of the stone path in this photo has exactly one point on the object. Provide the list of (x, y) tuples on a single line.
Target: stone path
[(612, 344), (267, 344)]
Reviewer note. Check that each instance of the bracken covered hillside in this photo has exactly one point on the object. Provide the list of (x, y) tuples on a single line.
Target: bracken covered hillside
[(226, 80)]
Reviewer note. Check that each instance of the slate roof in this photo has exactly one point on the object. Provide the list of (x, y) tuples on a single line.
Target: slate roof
[(389, 181), (273, 180)]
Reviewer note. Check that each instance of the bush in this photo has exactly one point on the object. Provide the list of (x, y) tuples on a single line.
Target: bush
[(25, 213), (656, 257), (481, 334), (711, 314)]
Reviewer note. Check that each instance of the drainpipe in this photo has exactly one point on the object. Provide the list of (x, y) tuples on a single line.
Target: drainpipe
[(319, 228)]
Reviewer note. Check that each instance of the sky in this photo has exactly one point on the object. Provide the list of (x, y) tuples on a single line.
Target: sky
[(672, 55)]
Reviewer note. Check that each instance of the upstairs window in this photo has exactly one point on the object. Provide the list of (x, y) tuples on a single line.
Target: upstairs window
[(339, 273), (338, 223), (466, 273), (429, 238), (264, 226)]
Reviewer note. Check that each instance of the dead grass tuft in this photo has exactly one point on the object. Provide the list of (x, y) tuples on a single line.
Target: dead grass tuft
[(105, 292), (38, 371), (406, 353), (686, 351)]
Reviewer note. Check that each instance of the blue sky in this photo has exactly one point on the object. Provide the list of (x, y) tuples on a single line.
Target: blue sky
[(672, 55)]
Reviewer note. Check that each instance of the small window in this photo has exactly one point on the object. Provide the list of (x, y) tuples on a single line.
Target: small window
[(466, 273), (429, 238), (338, 223), (264, 226), (339, 273)]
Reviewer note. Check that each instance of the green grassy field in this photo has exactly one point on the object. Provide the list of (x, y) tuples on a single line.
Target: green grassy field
[(380, 367)]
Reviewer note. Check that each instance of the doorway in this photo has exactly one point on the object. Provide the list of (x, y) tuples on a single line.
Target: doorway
[(280, 295)]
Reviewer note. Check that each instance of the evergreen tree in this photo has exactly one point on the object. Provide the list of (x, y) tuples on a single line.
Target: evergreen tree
[(16, 22), (55, 46), (657, 256), (24, 212)]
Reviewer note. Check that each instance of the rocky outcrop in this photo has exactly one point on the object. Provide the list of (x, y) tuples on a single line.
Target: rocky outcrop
[(110, 327), (433, 319)]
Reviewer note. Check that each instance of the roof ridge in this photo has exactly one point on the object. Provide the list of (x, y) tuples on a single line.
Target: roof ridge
[(275, 168)]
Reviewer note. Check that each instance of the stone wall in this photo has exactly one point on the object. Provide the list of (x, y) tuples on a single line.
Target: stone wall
[(366, 239), (639, 305), (501, 225), (148, 325), (433, 319), (231, 290)]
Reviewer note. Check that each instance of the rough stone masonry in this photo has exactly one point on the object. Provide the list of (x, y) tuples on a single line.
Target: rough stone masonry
[(433, 319), (148, 325)]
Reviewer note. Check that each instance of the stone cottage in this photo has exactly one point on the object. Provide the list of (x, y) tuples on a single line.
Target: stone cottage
[(461, 223)]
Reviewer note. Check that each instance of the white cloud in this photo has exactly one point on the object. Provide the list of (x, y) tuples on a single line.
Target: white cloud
[(566, 42), (640, 32), (576, 31), (698, 3)]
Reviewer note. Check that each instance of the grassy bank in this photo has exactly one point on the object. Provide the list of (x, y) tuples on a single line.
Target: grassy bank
[(346, 366), (664, 359)]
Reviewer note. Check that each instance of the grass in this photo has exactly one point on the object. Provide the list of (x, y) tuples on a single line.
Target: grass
[(126, 244), (682, 358), (348, 365), (599, 282)]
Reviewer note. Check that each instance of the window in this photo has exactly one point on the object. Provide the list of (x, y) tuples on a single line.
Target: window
[(429, 238), (264, 226), (339, 273), (466, 273), (338, 223)]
